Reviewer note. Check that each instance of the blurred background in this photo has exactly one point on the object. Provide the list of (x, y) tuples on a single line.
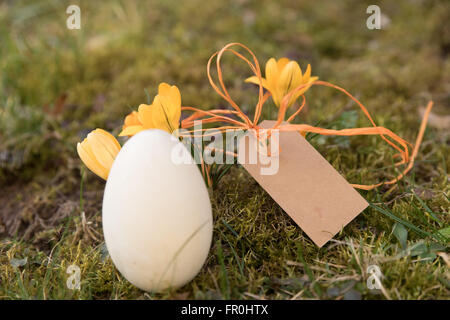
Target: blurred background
[(57, 84)]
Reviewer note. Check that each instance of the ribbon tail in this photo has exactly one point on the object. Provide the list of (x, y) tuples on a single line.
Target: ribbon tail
[(419, 139)]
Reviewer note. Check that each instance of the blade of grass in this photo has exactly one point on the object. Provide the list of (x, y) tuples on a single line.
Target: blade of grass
[(240, 265), (224, 281), (405, 223), (149, 100), (418, 213), (83, 176), (427, 209), (23, 290), (308, 271)]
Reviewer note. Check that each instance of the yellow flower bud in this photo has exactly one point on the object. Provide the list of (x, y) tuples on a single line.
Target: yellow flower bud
[(98, 151), (282, 77)]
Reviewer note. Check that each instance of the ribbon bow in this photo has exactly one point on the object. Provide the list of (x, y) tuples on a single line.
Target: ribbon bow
[(219, 115)]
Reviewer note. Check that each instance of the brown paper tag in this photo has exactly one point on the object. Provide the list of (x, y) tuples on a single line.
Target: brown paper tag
[(306, 186)]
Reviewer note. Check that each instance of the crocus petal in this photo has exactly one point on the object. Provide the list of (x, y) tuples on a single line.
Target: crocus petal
[(132, 124), (164, 89), (271, 73), (174, 112), (290, 77), (281, 63), (307, 74), (167, 90), (90, 161), (169, 99), (109, 143), (175, 116), (176, 96), (132, 119), (303, 90), (145, 116), (311, 80), (100, 151), (161, 111), (131, 130), (255, 80)]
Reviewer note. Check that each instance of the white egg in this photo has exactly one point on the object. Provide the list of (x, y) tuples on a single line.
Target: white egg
[(157, 217)]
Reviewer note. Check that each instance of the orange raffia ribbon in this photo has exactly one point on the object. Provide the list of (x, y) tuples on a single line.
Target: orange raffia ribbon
[(245, 123)]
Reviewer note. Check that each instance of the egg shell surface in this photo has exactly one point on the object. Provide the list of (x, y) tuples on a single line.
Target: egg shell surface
[(157, 218)]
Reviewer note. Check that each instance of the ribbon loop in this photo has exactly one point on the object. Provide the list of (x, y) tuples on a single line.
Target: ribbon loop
[(227, 116)]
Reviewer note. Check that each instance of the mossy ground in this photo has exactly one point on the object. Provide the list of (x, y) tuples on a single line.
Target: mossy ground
[(58, 84)]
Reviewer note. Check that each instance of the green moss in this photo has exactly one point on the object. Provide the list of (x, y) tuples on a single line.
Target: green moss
[(58, 84)]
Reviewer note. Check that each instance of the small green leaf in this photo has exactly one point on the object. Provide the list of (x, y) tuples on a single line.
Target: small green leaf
[(418, 248), (428, 256), (437, 247), (401, 234), (445, 232), (104, 254), (18, 262)]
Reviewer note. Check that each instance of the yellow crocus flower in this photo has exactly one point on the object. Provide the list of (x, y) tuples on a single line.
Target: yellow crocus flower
[(164, 113), (282, 77), (98, 151)]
